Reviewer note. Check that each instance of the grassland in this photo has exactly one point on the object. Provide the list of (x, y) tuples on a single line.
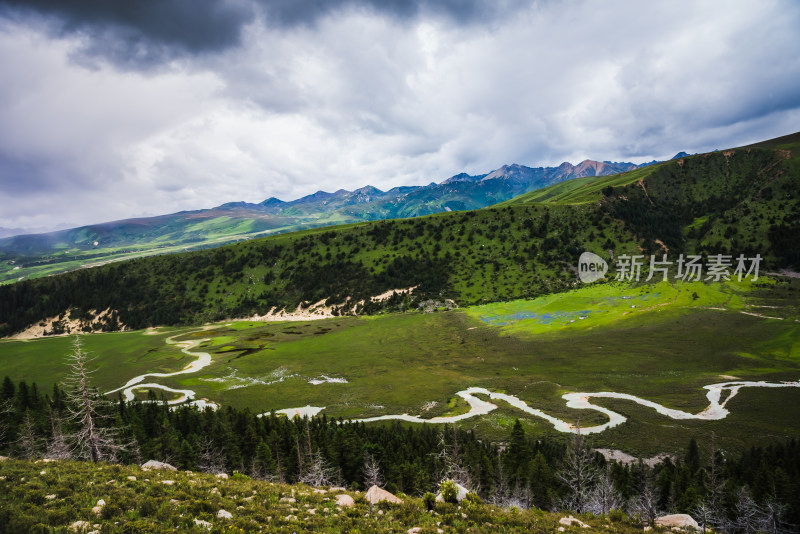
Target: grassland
[(39, 497), (662, 342)]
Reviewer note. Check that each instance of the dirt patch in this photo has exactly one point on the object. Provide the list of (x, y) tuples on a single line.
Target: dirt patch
[(626, 459), (65, 324), (388, 294)]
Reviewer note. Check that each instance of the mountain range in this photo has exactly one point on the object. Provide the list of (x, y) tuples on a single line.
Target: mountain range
[(33, 255)]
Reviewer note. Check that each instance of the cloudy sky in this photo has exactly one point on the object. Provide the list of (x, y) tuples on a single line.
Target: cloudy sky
[(112, 109)]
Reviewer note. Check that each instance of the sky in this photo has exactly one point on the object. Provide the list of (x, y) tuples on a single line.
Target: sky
[(111, 110)]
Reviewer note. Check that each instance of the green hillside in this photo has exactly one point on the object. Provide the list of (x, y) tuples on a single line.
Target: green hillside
[(742, 201)]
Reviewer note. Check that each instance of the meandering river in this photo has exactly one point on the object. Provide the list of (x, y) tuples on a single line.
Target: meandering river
[(718, 396)]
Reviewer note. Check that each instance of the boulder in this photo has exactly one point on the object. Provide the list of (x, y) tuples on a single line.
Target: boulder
[(569, 521), (203, 524), (224, 514), (99, 508), (375, 495), (79, 526), (344, 500), (677, 520), (153, 464), (462, 493)]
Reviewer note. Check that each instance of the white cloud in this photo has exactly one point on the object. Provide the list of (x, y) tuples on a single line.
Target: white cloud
[(360, 97)]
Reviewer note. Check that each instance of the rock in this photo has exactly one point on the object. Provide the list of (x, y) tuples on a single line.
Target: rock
[(224, 514), (337, 488), (414, 530), (99, 508), (202, 524), (320, 491), (561, 529), (569, 521), (153, 464), (344, 500), (3, 458), (50, 497), (677, 520), (79, 526), (222, 475), (132, 478), (375, 495), (168, 482), (290, 518), (288, 499), (462, 493)]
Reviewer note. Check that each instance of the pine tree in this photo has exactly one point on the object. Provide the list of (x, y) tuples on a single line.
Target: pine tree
[(264, 466), (187, 458)]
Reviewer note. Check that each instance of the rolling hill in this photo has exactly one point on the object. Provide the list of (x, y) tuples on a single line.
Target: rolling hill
[(31, 256), (739, 201)]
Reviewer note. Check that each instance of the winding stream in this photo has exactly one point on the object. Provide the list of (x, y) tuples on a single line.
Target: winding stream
[(715, 410), (581, 401), (203, 359)]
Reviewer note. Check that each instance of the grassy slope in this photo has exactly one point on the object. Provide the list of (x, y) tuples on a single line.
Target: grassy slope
[(744, 201), (147, 505)]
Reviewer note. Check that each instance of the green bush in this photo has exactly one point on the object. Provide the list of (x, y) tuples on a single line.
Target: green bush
[(449, 491), (429, 500), (617, 516)]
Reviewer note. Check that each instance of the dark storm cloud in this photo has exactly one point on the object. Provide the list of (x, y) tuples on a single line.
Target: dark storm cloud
[(146, 32), (295, 12)]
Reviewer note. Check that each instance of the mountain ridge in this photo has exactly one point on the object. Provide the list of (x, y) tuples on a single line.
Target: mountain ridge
[(31, 255)]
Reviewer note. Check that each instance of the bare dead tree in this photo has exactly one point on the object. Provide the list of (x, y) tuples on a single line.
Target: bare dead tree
[(6, 409), (748, 516), (58, 447), (318, 472), (501, 493), (92, 441), (578, 473), (604, 497), (773, 520), (645, 505), (210, 458), (372, 472), (28, 441), (704, 515)]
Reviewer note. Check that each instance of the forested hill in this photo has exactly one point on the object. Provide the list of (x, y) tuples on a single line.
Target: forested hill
[(741, 201)]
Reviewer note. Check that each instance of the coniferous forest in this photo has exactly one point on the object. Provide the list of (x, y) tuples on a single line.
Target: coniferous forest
[(756, 490)]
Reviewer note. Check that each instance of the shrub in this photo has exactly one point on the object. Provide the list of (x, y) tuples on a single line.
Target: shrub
[(429, 500), (449, 491), (616, 516)]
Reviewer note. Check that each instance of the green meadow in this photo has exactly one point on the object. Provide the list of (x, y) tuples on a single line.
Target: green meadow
[(661, 341)]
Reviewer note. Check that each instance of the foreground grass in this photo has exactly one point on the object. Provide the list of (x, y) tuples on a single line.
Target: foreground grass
[(49, 497)]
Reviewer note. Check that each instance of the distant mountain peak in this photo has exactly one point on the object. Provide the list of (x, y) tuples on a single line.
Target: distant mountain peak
[(368, 190), (272, 201), (680, 155)]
